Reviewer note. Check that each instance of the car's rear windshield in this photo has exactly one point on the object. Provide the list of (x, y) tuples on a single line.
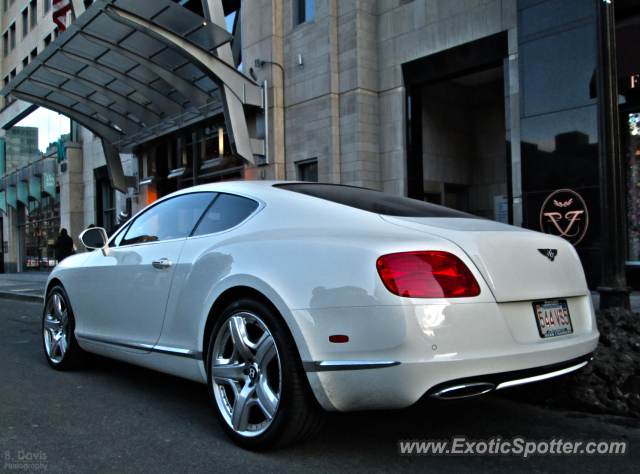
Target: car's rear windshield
[(373, 201)]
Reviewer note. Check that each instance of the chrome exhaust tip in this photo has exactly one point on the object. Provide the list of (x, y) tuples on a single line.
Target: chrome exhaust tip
[(458, 392)]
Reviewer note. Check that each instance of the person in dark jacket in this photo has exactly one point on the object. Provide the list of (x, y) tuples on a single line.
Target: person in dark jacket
[(63, 246)]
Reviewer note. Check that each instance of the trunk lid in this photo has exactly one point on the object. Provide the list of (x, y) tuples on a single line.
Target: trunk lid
[(509, 258)]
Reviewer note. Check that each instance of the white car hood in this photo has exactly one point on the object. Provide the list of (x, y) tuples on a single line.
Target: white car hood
[(508, 257)]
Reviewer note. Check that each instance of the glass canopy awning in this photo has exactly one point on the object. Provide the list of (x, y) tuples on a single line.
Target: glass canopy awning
[(129, 70)]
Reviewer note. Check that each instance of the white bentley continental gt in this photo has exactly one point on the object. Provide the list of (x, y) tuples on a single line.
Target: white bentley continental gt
[(289, 299)]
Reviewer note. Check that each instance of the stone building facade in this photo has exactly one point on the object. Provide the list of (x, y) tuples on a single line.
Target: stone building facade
[(486, 106)]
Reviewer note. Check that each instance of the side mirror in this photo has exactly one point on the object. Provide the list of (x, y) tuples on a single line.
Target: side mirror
[(94, 238)]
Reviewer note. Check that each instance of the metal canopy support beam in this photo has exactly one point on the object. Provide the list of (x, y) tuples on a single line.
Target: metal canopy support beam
[(236, 89), (196, 96), (238, 132), (244, 88), (215, 14), (108, 134)]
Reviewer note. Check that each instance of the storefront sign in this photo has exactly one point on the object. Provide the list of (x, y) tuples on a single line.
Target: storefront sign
[(565, 214), (23, 193), (3, 202), (11, 197), (49, 183), (35, 188), (501, 209)]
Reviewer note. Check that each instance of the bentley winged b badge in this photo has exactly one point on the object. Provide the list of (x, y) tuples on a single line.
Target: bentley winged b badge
[(551, 254)]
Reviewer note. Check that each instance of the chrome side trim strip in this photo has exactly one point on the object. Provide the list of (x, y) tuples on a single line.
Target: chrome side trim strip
[(335, 365), (145, 347), (177, 352), (541, 377)]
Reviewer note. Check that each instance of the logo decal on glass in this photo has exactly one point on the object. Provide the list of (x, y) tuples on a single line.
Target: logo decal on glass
[(565, 214)]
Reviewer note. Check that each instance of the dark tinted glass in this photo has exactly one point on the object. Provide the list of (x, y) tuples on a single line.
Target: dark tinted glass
[(374, 201), (560, 150), (549, 15), (557, 71), (171, 219), (225, 213)]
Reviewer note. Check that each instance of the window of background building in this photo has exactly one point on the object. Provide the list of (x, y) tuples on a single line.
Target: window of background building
[(105, 200), (33, 13), (308, 170), (6, 5), (25, 62), (7, 100), (33, 54), (88, 3), (12, 35), (46, 6), (305, 10), (56, 32), (5, 42), (47, 40), (25, 22)]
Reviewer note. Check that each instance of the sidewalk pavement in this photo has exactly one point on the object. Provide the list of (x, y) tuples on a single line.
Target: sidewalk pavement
[(30, 286)]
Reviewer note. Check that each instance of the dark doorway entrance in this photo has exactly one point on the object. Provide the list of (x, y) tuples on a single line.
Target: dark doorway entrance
[(464, 153), (456, 128)]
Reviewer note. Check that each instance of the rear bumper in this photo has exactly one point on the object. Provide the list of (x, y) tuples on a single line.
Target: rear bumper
[(508, 379), (417, 349)]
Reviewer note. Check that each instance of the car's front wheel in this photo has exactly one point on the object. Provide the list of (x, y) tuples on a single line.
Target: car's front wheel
[(58, 331), (256, 380)]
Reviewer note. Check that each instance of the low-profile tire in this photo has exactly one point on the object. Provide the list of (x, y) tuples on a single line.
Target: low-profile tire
[(257, 385), (58, 332)]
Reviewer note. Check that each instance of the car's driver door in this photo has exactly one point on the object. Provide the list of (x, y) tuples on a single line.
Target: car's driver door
[(129, 286)]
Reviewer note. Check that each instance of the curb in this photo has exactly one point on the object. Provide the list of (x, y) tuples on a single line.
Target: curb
[(7, 295)]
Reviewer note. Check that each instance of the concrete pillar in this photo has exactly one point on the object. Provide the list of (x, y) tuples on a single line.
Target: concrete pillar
[(71, 196), (11, 236)]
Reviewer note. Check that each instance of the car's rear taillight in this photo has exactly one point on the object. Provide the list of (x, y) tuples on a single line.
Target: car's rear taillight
[(427, 275)]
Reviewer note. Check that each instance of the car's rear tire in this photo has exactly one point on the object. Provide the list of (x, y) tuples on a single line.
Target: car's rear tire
[(58, 331), (256, 381)]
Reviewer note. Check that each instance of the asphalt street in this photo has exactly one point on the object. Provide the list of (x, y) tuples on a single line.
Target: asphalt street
[(117, 418)]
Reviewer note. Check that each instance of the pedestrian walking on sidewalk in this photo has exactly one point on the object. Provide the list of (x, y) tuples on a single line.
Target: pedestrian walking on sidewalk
[(63, 246)]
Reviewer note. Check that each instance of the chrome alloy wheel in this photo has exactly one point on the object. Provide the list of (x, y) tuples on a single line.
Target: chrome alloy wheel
[(246, 374), (56, 328)]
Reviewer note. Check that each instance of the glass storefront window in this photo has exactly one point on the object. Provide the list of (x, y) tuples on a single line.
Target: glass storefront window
[(38, 216), (205, 153), (38, 228), (633, 188)]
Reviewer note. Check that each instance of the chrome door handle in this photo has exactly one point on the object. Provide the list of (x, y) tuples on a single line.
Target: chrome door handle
[(162, 263)]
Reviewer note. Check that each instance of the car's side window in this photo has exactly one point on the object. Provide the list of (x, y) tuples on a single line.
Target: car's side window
[(171, 219), (227, 211)]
